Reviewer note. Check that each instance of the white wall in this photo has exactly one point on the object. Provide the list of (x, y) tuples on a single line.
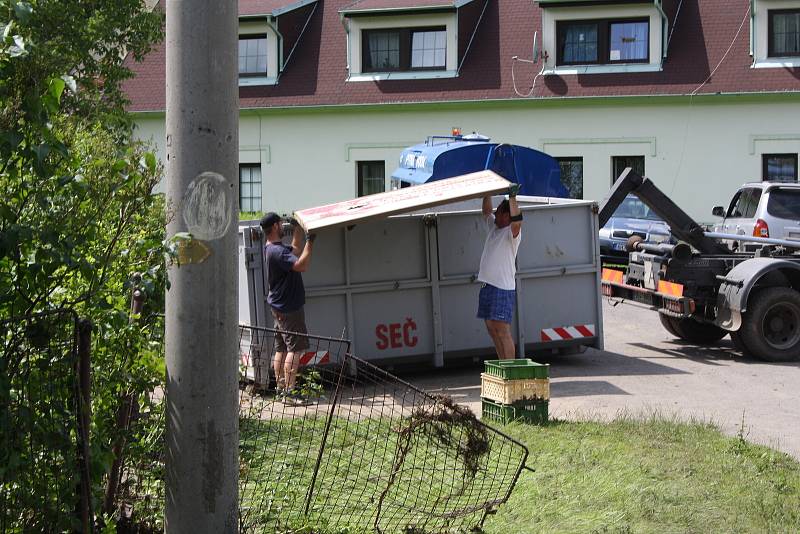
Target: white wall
[(699, 154)]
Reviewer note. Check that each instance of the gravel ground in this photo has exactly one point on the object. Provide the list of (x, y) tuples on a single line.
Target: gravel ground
[(643, 369)]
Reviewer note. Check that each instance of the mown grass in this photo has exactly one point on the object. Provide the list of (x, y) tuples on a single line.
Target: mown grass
[(651, 475)]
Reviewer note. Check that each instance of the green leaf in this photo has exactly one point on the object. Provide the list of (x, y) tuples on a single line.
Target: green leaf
[(150, 161), (13, 139), (41, 152), (52, 99)]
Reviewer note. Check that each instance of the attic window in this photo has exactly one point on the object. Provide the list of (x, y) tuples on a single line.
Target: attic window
[(400, 49), (603, 42), (253, 55), (784, 33)]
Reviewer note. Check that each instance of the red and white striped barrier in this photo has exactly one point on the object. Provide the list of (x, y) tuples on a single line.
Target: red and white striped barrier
[(568, 332), (308, 358), (315, 358)]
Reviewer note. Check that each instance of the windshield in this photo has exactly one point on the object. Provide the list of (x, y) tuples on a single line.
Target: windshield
[(633, 208), (784, 203)]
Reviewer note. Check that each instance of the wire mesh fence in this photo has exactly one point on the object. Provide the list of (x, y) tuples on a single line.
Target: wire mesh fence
[(43, 441), (362, 450), (355, 450)]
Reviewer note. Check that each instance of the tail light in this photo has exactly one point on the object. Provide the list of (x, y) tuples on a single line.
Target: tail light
[(761, 229)]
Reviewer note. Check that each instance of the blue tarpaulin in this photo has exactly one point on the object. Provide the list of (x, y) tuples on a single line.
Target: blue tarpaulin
[(537, 173)]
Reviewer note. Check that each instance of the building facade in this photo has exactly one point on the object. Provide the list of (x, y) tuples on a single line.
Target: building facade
[(699, 96)]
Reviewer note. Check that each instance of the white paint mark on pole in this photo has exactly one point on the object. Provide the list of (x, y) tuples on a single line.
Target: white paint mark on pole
[(206, 210)]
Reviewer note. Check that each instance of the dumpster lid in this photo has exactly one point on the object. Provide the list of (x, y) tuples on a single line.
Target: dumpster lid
[(409, 199)]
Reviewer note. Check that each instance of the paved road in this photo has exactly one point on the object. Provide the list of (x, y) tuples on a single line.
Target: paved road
[(643, 369)]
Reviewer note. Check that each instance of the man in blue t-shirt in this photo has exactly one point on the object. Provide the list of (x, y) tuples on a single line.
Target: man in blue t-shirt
[(286, 297)]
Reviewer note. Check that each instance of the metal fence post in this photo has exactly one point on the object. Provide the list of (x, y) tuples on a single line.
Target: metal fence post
[(84, 404), (123, 419)]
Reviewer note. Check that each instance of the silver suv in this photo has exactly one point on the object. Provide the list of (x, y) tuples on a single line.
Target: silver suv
[(762, 209)]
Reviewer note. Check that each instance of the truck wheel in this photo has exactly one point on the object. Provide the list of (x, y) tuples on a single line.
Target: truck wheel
[(738, 342), (695, 332), (668, 323), (771, 325)]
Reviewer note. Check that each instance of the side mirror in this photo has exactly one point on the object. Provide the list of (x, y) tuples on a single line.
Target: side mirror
[(718, 211)]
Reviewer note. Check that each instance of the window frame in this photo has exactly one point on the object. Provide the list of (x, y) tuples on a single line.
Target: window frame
[(571, 159), (406, 43), (765, 165), (770, 31), (360, 165), (603, 40), (614, 158), (260, 183), (253, 36)]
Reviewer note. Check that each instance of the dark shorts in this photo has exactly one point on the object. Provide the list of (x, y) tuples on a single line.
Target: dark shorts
[(291, 329), (496, 304)]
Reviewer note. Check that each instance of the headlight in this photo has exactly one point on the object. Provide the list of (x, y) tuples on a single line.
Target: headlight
[(659, 238)]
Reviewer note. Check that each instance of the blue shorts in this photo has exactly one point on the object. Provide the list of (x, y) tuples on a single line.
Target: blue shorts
[(496, 304)]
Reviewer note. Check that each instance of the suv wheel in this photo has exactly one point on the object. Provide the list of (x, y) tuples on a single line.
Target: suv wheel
[(771, 326)]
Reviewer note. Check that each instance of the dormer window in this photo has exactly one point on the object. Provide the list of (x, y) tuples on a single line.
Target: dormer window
[(784, 33), (397, 50), (268, 34), (775, 34), (603, 42), (581, 37), (406, 39), (253, 55)]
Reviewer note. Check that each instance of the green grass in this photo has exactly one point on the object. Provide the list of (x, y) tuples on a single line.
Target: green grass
[(630, 475), (278, 457), (657, 475)]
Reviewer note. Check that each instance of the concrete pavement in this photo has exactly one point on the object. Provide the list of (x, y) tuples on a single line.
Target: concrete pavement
[(643, 369)]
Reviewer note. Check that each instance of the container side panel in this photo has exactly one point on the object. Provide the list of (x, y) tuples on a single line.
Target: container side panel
[(393, 324), (388, 250), (461, 329), (326, 315), (327, 262), (245, 282), (461, 239), (556, 237), (558, 302)]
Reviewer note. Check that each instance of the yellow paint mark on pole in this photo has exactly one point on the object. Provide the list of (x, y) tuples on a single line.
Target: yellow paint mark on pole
[(192, 251)]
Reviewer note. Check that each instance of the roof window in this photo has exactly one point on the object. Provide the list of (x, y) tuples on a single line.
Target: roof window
[(775, 33), (409, 39), (602, 36)]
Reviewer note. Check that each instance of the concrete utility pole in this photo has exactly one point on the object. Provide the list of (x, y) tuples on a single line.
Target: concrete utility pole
[(201, 322)]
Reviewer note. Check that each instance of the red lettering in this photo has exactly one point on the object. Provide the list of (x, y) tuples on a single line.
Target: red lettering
[(395, 336), (408, 329), (380, 333)]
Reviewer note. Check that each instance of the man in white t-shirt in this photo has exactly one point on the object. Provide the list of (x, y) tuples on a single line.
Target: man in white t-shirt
[(497, 273)]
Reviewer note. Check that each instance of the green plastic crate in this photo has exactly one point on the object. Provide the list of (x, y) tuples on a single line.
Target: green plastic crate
[(517, 369), (529, 412)]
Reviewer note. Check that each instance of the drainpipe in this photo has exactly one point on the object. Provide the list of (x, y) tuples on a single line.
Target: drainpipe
[(664, 24), (271, 23), (346, 25), (753, 30)]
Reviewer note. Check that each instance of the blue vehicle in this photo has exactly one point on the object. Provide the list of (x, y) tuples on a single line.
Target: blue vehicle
[(442, 157)]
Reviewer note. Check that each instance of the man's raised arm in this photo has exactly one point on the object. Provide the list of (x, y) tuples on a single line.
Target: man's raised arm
[(514, 211), (487, 206)]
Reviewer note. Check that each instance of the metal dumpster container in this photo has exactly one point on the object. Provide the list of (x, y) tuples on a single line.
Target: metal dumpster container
[(404, 288)]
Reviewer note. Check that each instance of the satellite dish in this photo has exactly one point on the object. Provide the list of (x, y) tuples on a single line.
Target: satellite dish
[(536, 47)]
